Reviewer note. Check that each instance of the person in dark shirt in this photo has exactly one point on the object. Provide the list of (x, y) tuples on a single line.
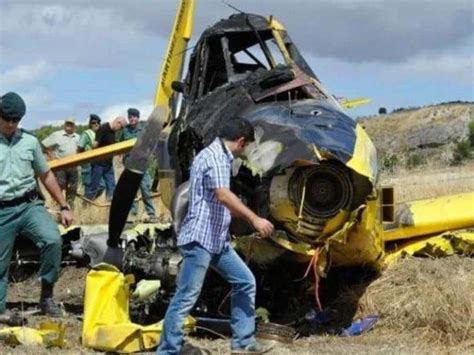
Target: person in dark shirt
[(104, 169)]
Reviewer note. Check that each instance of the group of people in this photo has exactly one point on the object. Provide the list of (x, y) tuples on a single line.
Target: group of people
[(99, 175), (203, 237)]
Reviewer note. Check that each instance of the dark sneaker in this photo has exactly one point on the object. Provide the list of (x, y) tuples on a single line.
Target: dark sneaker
[(49, 308), (252, 348)]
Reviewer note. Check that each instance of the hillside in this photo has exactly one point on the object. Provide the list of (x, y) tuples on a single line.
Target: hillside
[(434, 136)]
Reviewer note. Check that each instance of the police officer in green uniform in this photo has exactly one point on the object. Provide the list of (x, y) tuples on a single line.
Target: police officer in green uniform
[(22, 210), (131, 131), (86, 142)]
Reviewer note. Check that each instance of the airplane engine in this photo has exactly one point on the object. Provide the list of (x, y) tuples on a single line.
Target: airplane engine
[(323, 190), (305, 199)]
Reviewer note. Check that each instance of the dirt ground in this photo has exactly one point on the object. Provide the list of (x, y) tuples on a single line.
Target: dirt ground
[(411, 319)]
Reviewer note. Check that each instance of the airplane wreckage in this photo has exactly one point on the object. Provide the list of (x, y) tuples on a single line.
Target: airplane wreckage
[(312, 171)]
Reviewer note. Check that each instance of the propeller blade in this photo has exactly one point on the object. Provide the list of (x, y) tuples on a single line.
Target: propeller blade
[(135, 167)]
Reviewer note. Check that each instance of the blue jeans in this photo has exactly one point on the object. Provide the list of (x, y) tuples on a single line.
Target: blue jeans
[(190, 280), (86, 178), (145, 190), (100, 172)]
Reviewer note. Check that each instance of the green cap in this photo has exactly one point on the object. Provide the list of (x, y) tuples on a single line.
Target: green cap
[(12, 107)]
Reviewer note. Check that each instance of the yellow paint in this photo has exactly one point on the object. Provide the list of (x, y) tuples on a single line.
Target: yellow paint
[(49, 334), (351, 103), (335, 223), (296, 247), (364, 158), (445, 244), (175, 54), (360, 240), (276, 28), (107, 325), (435, 216), (92, 155)]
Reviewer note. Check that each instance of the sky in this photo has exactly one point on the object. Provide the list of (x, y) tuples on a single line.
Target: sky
[(76, 57)]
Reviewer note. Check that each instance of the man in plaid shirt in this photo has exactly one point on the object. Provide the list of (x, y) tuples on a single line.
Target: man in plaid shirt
[(204, 240)]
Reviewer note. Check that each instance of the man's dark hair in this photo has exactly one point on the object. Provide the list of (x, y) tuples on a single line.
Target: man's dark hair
[(236, 127)]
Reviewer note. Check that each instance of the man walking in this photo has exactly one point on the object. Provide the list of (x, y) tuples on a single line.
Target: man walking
[(132, 131), (22, 210), (61, 144), (204, 240), (86, 142), (104, 169)]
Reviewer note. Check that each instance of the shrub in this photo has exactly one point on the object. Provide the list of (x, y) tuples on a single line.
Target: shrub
[(462, 152), (471, 133), (414, 160), (389, 161)]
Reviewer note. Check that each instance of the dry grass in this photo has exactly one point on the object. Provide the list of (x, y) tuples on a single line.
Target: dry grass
[(430, 183), (429, 297)]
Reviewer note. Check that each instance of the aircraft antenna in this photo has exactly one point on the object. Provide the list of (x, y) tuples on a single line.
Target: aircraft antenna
[(233, 7)]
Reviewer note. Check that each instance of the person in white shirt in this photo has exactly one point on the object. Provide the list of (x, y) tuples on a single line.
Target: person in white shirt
[(61, 144)]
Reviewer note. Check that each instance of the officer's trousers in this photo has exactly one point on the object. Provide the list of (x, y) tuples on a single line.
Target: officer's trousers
[(33, 221), (145, 189)]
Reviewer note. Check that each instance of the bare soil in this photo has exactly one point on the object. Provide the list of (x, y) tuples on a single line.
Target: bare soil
[(425, 305)]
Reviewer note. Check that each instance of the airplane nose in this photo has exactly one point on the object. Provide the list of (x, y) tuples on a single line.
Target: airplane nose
[(323, 190)]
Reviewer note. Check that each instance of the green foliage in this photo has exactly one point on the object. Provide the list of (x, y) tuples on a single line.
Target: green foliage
[(462, 151), (414, 160), (44, 131), (389, 161), (471, 133)]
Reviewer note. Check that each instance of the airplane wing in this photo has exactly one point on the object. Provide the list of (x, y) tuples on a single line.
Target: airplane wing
[(351, 103), (172, 66)]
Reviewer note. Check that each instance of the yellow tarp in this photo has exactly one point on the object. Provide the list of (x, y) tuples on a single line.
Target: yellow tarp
[(446, 244), (107, 325), (49, 334)]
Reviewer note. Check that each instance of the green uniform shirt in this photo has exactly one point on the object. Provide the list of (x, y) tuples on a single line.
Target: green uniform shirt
[(86, 140), (62, 143), (20, 159), (129, 133)]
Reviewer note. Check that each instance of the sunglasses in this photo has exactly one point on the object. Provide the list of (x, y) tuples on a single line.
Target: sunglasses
[(16, 120)]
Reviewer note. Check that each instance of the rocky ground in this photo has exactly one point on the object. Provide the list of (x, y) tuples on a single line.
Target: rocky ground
[(427, 136)]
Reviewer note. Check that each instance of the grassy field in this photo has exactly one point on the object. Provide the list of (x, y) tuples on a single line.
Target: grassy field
[(429, 183)]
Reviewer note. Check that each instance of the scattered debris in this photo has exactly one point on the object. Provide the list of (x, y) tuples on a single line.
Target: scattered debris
[(359, 326), (49, 334)]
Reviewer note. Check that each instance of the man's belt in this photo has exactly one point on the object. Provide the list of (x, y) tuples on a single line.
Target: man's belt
[(29, 196)]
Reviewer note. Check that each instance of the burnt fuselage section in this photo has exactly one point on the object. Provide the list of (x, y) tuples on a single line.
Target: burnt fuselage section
[(247, 66)]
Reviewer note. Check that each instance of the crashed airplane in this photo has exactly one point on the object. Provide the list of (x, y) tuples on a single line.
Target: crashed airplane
[(312, 170)]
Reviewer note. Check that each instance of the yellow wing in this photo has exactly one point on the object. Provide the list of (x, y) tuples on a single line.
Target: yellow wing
[(173, 62), (351, 103)]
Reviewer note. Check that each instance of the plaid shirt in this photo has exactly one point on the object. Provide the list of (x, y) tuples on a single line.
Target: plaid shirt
[(207, 220)]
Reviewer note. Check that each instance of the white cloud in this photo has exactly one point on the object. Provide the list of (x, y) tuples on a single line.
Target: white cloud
[(22, 74), (64, 21), (109, 113), (37, 97), (459, 68)]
